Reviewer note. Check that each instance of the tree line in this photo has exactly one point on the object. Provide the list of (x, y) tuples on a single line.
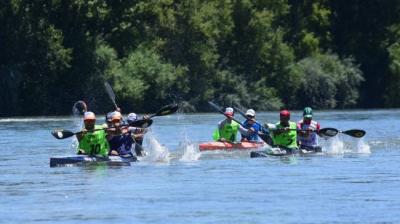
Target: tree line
[(261, 54)]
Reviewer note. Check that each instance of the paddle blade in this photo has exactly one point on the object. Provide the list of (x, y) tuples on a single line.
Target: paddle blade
[(328, 132), (79, 107), (141, 123), (215, 106), (240, 112), (110, 93), (266, 138), (62, 134), (166, 110), (356, 133)]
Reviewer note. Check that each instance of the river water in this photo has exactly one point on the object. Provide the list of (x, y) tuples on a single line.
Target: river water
[(353, 181)]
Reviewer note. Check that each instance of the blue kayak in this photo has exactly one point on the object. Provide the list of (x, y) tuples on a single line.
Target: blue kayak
[(91, 160)]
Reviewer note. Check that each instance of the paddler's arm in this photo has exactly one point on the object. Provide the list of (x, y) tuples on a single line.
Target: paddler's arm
[(219, 127), (272, 128), (80, 135), (302, 132), (318, 128), (245, 131)]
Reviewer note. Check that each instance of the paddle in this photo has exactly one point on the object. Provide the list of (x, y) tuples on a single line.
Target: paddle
[(356, 133), (244, 115), (265, 138), (216, 107), (165, 110), (63, 134), (79, 107), (330, 132), (111, 94)]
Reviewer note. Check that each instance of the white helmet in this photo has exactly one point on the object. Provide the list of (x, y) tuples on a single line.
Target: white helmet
[(131, 117)]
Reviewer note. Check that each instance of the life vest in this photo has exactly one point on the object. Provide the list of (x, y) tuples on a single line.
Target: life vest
[(122, 143), (228, 131), (95, 143), (287, 139), (311, 139)]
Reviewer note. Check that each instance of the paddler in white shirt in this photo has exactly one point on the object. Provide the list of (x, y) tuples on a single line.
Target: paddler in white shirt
[(308, 131)]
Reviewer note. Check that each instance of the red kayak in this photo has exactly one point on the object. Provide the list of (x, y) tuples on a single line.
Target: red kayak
[(208, 146)]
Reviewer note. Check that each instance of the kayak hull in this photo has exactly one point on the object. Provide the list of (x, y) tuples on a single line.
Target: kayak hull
[(283, 152), (91, 160), (210, 146)]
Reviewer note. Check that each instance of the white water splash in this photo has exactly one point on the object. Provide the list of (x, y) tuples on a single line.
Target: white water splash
[(77, 120), (190, 151), (333, 146), (155, 151), (363, 147), (336, 146)]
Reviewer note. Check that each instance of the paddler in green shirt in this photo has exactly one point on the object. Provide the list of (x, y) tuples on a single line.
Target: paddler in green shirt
[(93, 143), (284, 134), (227, 129)]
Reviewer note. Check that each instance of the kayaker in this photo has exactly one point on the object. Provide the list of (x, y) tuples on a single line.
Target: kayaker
[(120, 138), (108, 119), (228, 128), (308, 131), (284, 134), (253, 127), (92, 142), (138, 133)]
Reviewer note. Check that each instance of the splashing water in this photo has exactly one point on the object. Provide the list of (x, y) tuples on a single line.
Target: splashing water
[(155, 151), (78, 125), (336, 145), (190, 151), (333, 146), (363, 147)]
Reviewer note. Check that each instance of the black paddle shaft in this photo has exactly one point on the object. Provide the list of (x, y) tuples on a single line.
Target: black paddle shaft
[(263, 137)]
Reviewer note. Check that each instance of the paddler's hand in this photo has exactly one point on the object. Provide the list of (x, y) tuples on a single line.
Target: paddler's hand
[(302, 133), (222, 140), (113, 153), (146, 117), (279, 131)]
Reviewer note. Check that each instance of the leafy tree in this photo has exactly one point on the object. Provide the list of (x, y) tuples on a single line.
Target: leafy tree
[(392, 97), (327, 82)]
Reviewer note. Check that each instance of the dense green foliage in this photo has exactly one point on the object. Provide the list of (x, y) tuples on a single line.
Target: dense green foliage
[(261, 54)]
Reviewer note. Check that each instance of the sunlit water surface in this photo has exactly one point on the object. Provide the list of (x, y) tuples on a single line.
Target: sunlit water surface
[(353, 181)]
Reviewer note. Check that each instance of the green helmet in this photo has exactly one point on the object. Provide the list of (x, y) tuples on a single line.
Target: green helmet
[(307, 113)]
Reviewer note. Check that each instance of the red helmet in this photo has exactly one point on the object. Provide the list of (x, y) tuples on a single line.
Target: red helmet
[(284, 113)]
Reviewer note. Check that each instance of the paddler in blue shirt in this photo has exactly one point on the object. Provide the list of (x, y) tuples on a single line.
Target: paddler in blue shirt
[(120, 137), (253, 128), (228, 128), (308, 131), (92, 142)]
